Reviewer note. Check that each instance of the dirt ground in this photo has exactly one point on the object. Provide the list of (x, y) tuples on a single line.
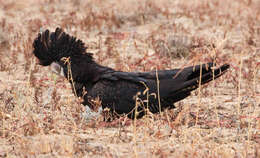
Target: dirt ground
[(40, 116)]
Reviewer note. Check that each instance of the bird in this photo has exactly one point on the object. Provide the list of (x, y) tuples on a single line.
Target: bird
[(133, 94)]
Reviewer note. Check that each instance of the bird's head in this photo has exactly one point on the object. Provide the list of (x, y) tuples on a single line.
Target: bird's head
[(53, 48)]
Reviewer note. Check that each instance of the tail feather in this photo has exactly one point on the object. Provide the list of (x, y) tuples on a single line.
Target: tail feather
[(193, 83), (193, 77)]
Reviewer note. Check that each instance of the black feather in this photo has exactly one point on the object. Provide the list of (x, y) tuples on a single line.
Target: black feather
[(118, 91)]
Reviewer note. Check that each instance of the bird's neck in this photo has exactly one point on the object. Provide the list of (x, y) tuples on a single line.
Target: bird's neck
[(88, 72)]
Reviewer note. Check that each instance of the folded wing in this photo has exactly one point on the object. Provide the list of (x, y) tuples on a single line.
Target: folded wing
[(175, 84)]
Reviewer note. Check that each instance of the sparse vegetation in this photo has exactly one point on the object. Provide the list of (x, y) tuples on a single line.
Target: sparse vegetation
[(40, 116)]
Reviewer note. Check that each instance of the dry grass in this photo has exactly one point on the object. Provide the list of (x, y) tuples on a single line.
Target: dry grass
[(40, 117)]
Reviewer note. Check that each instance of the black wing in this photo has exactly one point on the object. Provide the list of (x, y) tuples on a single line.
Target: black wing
[(188, 74), (175, 83)]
